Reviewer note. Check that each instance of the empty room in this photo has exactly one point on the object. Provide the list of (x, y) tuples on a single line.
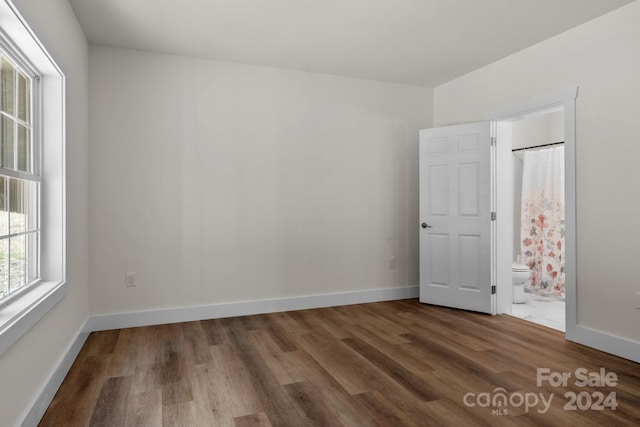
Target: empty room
[(319, 213)]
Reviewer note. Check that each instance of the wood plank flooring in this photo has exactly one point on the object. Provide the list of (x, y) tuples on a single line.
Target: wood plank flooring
[(396, 363)]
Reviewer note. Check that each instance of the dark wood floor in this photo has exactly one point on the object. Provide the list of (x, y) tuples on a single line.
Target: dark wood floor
[(384, 364)]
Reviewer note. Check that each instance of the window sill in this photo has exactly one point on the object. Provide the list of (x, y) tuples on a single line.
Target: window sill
[(20, 314)]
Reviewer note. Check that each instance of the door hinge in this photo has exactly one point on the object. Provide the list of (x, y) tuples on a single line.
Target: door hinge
[(493, 216), (493, 141), (493, 289)]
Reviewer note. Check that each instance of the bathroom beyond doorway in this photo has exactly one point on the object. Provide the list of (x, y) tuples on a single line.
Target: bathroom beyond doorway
[(539, 219)]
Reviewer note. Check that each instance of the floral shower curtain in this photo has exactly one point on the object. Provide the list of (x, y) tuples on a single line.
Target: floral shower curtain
[(542, 220)]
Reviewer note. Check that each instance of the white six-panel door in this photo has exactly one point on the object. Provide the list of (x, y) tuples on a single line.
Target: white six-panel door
[(455, 217)]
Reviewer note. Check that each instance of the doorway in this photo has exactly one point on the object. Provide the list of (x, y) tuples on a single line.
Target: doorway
[(560, 102), (538, 292)]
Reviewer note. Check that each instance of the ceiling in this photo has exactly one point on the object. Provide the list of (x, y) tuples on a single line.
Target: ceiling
[(422, 42)]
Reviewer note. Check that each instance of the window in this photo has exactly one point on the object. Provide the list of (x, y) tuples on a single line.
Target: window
[(32, 179), (19, 178)]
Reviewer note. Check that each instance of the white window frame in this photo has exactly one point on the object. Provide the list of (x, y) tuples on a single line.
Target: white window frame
[(23, 309)]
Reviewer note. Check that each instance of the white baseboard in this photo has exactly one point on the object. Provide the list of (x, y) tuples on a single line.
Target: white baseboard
[(244, 308), (44, 399), (618, 346)]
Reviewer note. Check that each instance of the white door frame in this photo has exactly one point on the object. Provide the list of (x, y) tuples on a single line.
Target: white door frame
[(504, 192)]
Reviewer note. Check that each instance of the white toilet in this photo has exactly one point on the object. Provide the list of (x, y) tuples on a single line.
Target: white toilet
[(520, 275)]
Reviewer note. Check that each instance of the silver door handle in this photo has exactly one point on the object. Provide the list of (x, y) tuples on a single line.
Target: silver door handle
[(425, 225)]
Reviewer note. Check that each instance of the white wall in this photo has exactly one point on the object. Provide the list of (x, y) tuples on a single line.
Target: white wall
[(518, 168), (27, 366), (601, 57), (538, 130), (218, 182)]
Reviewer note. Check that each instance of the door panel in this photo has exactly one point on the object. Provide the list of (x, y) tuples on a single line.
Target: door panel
[(438, 190), (439, 261), (469, 267), (455, 210), (468, 189)]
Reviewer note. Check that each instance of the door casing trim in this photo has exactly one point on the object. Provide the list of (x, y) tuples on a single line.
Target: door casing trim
[(564, 99)]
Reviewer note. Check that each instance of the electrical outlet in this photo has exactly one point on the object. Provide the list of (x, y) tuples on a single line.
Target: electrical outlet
[(392, 263), (130, 279)]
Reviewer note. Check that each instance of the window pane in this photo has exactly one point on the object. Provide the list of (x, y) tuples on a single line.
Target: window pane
[(17, 262), (24, 149), (31, 205), (23, 97), (7, 143), (19, 201), (32, 256), (4, 207), (4, 271), (8, 89)]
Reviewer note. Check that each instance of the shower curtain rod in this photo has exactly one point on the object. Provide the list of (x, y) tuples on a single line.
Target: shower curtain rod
[(538, 146)]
